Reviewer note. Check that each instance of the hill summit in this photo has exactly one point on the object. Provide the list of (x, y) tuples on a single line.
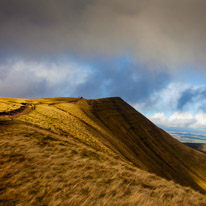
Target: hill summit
[(104, 131)]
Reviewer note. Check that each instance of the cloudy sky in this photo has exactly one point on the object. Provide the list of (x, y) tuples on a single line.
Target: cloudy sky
[(149, 52)]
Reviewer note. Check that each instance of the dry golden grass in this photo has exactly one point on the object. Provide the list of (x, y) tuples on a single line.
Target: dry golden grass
[(70, 151), (39, 167), (9, 106), (112, 126), (55, 120)]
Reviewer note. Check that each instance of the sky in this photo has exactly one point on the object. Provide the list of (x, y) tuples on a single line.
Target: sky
[(151, 53)]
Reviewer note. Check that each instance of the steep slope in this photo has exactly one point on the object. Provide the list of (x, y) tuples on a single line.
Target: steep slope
[(39, 167), (113, 127), (147, 146)]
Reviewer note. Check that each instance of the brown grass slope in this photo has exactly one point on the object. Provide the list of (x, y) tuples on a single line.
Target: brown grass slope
[(39, 167), (106, 127), (147, 146), (113, 126)]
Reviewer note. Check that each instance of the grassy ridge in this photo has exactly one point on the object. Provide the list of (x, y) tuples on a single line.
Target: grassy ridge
[(149, 147), (39, 167), (96, 145), (114, 127)]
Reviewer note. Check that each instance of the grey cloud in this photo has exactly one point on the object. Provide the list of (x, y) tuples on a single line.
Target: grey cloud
[(192, 95), (23, 85), (134, 83), (34, 80), (156, 32), (186, 97)]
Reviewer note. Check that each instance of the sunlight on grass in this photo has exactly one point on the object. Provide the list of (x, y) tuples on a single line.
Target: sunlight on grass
[(7, 107), (72, 151), (41, 168)]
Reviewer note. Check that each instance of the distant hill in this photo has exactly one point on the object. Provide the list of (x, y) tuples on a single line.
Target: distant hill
[(188, 137), (198, 146), (73, 151)]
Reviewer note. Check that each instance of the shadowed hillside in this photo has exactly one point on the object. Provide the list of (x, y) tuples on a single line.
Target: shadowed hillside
[(87, 152), (147, 146), (198, 146)]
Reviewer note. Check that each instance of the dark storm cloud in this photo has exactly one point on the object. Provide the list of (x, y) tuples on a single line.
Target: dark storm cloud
[(157, 31), (192, 95), (156, 35)]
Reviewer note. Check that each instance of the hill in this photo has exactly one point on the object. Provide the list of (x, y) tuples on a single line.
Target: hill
[(70, 151), (198, 146)]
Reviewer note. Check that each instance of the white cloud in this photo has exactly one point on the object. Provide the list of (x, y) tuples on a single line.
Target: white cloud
[(168, 97), (41, 79), (200, 121), (53, 72), (159, 118), (180, 120), (165, 99)]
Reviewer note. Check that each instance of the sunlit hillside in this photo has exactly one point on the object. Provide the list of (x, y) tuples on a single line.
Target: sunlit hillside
[(73, 151)]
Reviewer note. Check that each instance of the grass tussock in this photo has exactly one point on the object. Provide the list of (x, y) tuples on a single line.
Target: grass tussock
[(39, 167)]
